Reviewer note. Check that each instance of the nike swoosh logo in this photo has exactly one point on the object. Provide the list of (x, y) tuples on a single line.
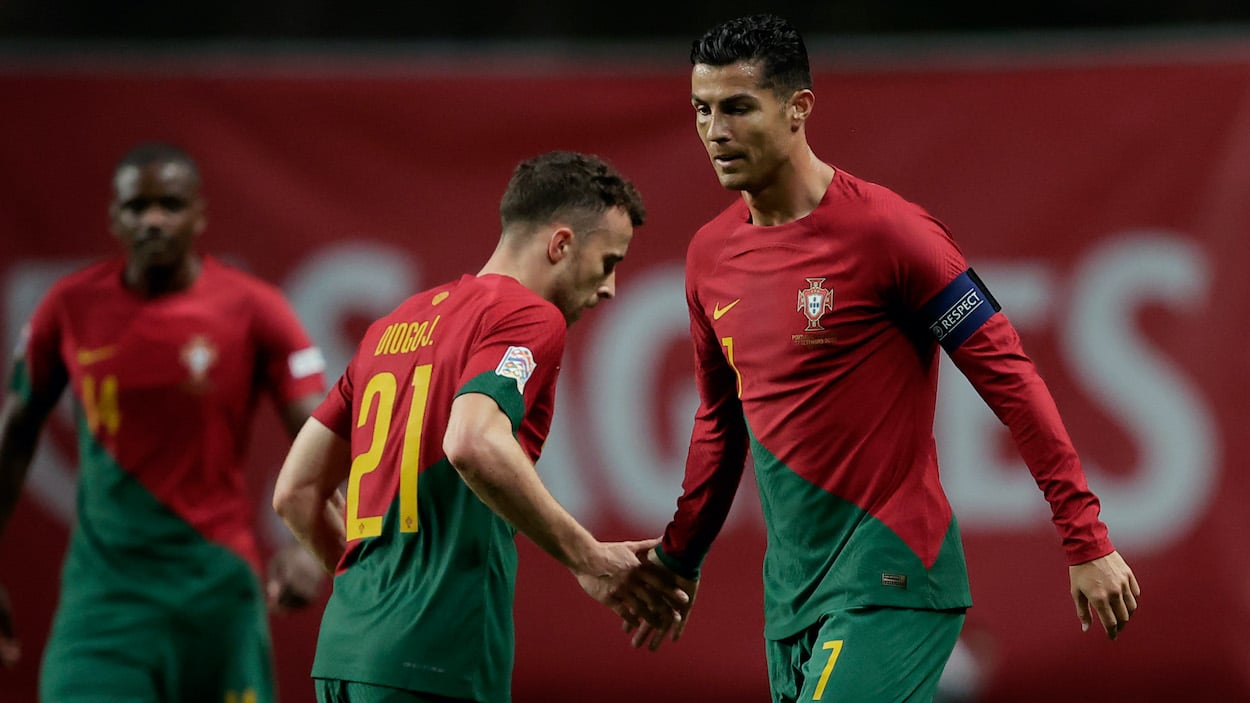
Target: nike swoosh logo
[(87, 357), (718, 312)]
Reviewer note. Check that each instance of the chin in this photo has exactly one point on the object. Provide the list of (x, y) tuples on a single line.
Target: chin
[(157, 261)]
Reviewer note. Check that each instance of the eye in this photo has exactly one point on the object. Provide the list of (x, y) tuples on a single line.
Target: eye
[(173, 204), (135, 206), (702, 109), (609, 264)]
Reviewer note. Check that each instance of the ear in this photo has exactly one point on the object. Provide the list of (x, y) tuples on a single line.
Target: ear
[(114, 211), (800, 107), (201, 221), (559, 244)]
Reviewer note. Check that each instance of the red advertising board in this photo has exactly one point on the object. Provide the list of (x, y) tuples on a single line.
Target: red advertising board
[(1102, 196)]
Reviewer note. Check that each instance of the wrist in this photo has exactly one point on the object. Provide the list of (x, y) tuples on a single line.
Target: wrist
[(583, 555)]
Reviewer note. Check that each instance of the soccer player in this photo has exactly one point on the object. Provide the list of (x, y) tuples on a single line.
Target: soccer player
[(818, 302), (435, 426), (166, 352)]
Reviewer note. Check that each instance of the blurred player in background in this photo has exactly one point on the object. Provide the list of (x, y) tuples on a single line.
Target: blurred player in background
[(435, 427), (818, 302), (166, 352)]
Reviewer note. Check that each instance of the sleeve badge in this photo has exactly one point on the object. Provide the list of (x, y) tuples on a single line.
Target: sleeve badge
[(517, 364)]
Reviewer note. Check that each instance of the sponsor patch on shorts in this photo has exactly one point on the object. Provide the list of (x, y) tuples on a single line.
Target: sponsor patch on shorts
[(517, 364), (894, 580)]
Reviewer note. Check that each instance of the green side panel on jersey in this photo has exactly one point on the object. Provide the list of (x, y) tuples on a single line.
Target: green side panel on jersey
[(429, 610), (19, 382), (827, 554), (129, 545), (502, 390)]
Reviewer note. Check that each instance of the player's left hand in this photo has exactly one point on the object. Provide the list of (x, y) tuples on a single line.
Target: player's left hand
[(1105, 587), (295, 578)]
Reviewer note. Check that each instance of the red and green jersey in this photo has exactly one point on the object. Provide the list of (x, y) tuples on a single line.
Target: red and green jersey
[(816, 346), (165, 390), (423, 594)]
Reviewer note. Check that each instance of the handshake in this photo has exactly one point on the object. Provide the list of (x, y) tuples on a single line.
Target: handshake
[(652, 600)]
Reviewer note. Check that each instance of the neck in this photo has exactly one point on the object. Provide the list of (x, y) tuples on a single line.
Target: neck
[(793, 194), (513, 263), (154, 281)]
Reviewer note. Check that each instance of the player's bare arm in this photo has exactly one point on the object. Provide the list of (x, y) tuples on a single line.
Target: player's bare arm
[(1107, 589), (306, 495), (480, 445), (295, 413), (294, 575), (21, 419)]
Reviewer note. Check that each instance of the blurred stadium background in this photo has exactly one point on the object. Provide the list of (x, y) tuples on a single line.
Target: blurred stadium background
[(1093, 160)]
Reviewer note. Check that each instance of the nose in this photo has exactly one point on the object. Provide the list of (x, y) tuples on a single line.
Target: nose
[(607, 290), (718, 127), (153, 217)]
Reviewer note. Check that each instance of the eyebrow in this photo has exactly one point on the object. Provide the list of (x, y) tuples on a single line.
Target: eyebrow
[(726, 99)]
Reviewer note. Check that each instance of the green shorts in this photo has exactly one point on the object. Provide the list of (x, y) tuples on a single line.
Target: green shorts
[(113, 649), (338, 691), (865, 655)]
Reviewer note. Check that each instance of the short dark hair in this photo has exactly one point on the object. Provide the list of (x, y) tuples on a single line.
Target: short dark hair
[(769, 39), (158, 152), (566, 184)]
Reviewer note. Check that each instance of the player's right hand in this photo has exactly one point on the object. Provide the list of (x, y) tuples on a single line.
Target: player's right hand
[(10, 651), (661, 579), (610, 579), (295, 579), (1107, 589)]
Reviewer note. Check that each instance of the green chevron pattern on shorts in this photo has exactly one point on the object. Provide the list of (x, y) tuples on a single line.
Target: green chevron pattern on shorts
[(127, 542), (827, 554)]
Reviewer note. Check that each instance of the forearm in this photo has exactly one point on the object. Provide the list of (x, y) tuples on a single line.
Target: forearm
[(306, 494), (19, 436), (504, 479), (14, 466), (996, 365), (317, 523), (716, 457), (714, 466)]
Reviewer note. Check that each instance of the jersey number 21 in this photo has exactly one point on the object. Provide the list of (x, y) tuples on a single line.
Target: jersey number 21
[(382, 390)]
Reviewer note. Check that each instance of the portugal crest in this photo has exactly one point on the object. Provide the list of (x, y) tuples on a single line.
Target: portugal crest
[(199, 355), (814, 302)]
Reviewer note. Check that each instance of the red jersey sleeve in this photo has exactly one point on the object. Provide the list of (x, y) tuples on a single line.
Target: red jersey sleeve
[(523, 343), (936, 284), (993, 359), (335, 411), (515, 360), (718, 446), (292, 365), (41, 369)]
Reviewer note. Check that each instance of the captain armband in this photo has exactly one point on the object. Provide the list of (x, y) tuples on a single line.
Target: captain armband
[(959, 310)]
